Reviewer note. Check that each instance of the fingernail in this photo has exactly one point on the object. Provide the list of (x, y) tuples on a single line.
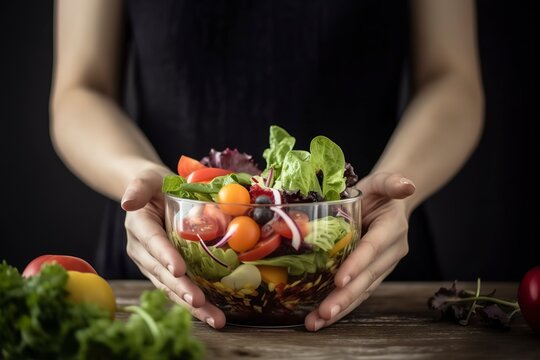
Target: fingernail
[(334, 311), (319, 323), (346, 280), (128, 196), (188, 298), (407, 181), (170, 268), (210, 321)]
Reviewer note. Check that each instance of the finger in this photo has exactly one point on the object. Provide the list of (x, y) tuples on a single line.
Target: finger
[(149, 231), (181, 286), (141, 190), (341, 298), (376, 241), (207, 313), (393, 186), (314, 321)]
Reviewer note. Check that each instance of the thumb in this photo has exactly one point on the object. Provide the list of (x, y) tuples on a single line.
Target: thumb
[(391, 185), (141, 190)]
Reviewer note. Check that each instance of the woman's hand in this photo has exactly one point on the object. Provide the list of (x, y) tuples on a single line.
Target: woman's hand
[(149, 247), (382, 246)]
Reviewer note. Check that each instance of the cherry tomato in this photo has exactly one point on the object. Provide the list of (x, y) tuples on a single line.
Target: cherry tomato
[(246, 233), (187, 165), (300, 218), (529, 297), (221, 219), (89, 287), (189, 227), (233, 194), (262, 249), (206, 174), (66, 261)]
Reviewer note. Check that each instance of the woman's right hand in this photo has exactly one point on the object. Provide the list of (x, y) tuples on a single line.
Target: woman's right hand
[(149, 247)]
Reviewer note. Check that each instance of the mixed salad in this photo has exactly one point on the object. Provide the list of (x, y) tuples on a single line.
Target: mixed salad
[(262, 243)]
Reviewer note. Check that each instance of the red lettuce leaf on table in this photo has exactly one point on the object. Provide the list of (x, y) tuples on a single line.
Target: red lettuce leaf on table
[(462, 306)]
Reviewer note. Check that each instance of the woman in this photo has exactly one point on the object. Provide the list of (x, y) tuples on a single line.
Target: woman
[(136, 84)]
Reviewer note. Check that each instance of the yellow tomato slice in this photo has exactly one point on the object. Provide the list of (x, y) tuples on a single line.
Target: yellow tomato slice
[(340, 245)]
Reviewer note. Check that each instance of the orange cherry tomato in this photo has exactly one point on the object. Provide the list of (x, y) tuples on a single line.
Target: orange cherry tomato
[(206, 174), (187, 165), (233, 194), (246, 233)]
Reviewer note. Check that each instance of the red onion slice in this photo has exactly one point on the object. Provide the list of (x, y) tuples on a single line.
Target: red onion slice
[(277, 196), (269, 178), (207, 250), (344, 214), (297, 238), (230, 231)]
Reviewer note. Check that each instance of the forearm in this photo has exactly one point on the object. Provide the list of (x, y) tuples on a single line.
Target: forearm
[(439, 130), (98, 142)]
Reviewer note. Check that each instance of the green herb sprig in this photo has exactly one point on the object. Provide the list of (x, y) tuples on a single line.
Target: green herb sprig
[(38, 322)]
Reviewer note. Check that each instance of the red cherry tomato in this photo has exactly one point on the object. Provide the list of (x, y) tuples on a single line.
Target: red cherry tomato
[(300, 218), (529, 297), (206, 174), (263, 248), (203, 226), (221, 219), (66, 261), (246, 233), (187, 165)]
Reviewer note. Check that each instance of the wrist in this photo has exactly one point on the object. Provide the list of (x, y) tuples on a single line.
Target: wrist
[(134, 167)]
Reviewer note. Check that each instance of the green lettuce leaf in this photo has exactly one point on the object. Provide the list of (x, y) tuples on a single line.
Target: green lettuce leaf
[(200, 263), (325, 232), (296, 264), (298, 173), (321, 170), (178, 186), (280, 143), (327, 157)]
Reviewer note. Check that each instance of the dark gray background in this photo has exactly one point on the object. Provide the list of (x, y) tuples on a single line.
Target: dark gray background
[(493, 202)]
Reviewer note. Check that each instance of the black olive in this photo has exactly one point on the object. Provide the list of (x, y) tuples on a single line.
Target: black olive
[(263, 199), (262, 215)]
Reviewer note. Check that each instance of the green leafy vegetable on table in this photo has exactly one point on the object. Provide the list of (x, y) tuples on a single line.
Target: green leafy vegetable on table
[(37, 321)]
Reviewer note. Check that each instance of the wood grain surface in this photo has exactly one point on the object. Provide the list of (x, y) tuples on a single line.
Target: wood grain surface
[(394, 323)]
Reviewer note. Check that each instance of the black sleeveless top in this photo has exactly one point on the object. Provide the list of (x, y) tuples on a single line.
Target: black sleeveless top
[(215, 74)]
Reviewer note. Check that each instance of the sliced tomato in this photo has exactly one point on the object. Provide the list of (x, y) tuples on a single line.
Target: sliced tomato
[(206, 174), (204, 226), (221, 219), (263, 248), (187, 165), (300, 218)]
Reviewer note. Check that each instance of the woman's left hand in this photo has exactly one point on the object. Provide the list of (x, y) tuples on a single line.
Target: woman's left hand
[(382, 246)]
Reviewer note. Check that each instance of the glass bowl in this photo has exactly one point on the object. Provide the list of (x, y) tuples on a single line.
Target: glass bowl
[(285, 275)]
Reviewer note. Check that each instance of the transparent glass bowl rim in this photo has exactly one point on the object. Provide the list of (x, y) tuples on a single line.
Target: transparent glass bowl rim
[(354, 195)]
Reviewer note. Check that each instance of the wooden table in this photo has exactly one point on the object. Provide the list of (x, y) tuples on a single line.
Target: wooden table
[(394, 323)]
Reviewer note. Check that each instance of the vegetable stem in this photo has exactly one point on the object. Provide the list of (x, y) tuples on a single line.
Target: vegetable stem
[(473, 306), (511, 304), (150, 322)]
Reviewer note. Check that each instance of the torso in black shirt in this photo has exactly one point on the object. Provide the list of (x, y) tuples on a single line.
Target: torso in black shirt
[(216, 74)]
